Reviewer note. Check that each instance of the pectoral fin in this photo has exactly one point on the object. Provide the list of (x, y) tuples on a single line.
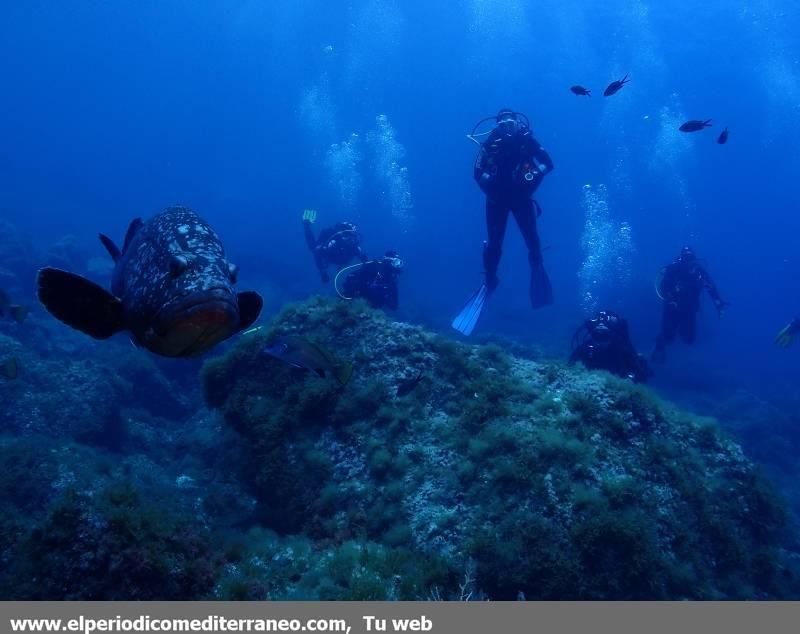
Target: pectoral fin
[(250, 304), (80, 303)]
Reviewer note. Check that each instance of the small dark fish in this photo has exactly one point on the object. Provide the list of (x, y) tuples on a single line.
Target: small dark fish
[(299, 352), (9, 369), (615, 86), (723, 137), (581, 91), (172, 288), (407, 386), (694, 125)]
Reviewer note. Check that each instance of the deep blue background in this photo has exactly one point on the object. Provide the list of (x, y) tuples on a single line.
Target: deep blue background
[(112, 110)]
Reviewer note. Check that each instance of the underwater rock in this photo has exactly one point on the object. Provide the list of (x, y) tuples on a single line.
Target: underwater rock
[(532, 476), (80, 394)]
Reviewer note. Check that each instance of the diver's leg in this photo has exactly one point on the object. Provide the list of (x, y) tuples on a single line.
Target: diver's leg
[(669, 327), (496, 221), (312, 245), (689, 327), (311, 241), (526, 221), (541, 292)]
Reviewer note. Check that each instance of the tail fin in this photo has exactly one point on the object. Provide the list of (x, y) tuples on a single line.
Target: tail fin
[(707, 123)]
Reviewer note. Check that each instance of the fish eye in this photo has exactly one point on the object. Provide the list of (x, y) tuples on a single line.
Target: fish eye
[(233, 272), (177, 265)]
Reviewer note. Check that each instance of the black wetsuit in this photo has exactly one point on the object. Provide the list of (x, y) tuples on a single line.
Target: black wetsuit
[(509, 169), (603, 343), (376, 282), (338, 245), (680, 288)]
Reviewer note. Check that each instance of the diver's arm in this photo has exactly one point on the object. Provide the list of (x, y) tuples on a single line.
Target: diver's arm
[(479, 169), (713, 291), (668, 283), (541, 156)]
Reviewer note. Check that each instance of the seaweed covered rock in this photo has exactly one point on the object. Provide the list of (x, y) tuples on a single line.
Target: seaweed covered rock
[(113, 545), (267, 566), (521, 476)]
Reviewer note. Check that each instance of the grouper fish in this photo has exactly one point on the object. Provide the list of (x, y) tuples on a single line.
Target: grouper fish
[(171, 288)]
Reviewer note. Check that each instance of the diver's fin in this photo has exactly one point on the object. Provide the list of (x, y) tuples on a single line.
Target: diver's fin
[(133, 229), (785, 337), (466, 320), (250, 304), (80, 303), (108, 243), (541, 291)]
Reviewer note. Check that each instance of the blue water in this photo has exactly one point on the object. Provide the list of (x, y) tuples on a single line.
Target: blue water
[(251, 111), (112, 111)]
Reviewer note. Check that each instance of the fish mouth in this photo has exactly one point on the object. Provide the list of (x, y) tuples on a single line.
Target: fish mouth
[(197, 322)]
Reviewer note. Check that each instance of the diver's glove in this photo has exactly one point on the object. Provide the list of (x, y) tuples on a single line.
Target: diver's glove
[(786, 336), (310, 216)]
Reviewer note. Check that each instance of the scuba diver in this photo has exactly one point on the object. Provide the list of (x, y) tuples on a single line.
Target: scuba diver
[(679, 288), (375, 281), (603, 343), (337, 245), (786, 336), (509, 168)]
